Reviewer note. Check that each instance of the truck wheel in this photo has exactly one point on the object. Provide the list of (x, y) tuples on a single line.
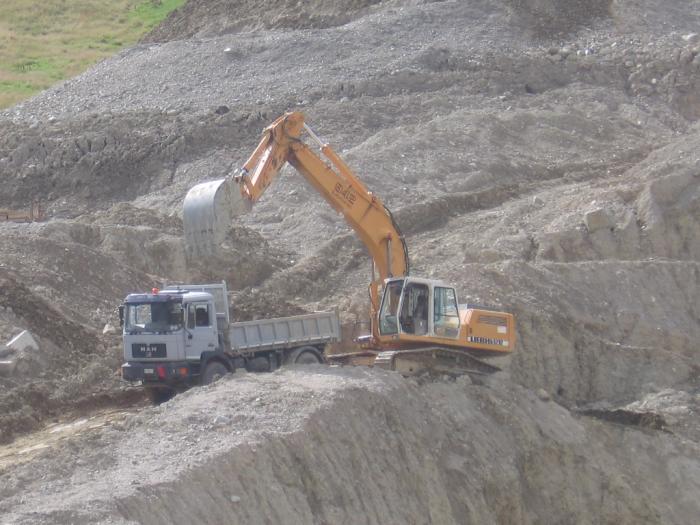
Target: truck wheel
[(306, 355), (214, 371)]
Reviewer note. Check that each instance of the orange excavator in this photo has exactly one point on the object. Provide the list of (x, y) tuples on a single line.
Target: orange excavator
[(416, 324)]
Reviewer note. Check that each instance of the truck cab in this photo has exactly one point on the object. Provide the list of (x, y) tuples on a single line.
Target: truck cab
[(169, 334)]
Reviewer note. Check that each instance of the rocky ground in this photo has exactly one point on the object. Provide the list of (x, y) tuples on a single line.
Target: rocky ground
[(356, 446), (542, 156)]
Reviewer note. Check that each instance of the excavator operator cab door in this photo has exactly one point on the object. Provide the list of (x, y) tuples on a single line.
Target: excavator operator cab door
[(418, 307), (415, 306), (445, 312)]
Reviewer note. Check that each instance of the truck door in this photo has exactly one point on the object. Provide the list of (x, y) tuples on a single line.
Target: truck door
[(201, 329)]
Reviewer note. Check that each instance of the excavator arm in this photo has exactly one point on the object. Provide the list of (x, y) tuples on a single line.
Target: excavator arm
[(209, 207)]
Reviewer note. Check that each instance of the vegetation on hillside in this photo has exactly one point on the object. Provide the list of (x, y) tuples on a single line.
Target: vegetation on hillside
[(45, 41)]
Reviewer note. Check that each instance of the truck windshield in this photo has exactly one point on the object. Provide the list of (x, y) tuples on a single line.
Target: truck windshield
[(153, 317)]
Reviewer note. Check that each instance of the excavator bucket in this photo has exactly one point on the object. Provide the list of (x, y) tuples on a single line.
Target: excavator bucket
[(208, 212)]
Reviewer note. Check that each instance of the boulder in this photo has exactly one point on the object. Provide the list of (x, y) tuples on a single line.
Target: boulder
[(597, 219)]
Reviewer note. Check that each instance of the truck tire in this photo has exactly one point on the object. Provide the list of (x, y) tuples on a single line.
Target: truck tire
[(306, 355), (214, 371)]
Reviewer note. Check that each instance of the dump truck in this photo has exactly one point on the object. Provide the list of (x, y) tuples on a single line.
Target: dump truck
[(416, 324), (182, 336)]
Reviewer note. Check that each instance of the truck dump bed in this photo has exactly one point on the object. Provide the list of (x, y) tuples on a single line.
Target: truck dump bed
[(285, 332)]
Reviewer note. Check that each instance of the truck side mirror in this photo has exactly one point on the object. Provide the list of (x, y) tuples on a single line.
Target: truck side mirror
[(121, 315)]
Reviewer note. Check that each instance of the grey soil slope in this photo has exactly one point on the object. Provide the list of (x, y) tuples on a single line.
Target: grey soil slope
[(358, 446), (542, 156)]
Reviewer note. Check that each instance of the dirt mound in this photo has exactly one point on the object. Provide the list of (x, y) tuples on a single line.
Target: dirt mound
[(79, 164), (249, 304), (207, 18), (331, 445), (64, 292), (125, 214), (71, 369), (44, 319), (548, 18)]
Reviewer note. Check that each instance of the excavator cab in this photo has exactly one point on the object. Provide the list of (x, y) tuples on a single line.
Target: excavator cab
[(418, 312), (418, 307)]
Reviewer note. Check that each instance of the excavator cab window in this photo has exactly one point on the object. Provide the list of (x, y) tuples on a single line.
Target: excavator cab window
[(390, 308), (445, 312), (414, 309)]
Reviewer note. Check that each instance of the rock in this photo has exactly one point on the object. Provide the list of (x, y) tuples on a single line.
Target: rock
[(221, 420), (691, 37), (597, 220), (23, 342), (543, 395), (537, 201), (25, 367), (686, 56), (464, 380), (7, 368)]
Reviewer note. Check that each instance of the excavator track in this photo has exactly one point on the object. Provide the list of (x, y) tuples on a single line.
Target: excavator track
[(420, 361)]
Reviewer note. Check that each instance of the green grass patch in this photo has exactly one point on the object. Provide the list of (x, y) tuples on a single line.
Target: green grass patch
[(23, 87), (150, 13), (12, 92), (44, 42)]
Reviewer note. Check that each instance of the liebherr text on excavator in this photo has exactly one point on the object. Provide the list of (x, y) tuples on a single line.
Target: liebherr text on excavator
[(416, 324)]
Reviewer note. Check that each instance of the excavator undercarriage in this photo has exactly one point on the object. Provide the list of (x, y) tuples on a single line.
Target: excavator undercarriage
[(418, 361)]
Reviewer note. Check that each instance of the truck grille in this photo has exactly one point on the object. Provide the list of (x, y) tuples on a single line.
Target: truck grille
[(148, 351)]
